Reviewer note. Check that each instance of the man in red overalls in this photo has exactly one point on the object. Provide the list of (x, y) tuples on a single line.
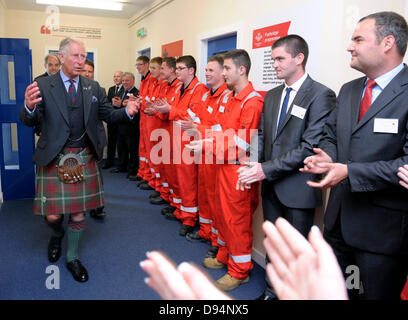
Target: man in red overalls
[(142, 66), (206, 114), (150, 123), (185, 108), (238, 116)]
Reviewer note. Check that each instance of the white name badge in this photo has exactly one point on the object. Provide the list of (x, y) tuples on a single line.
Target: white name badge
[(128, 94), (209, 109), (222, 109), (298, 111), (382, 125), (216, 127)]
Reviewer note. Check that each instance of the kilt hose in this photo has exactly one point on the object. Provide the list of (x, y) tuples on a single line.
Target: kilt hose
[(53, 197)]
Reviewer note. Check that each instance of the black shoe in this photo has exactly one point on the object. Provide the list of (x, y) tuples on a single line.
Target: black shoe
[(145, 186), (158, 200), (265, 296), (154, 194), (194, 237), (107, 165), (170, 216), (168, 209), (212, 252), (98, 213), (185, 229), (54, 248), (140, 182), (78, 270)]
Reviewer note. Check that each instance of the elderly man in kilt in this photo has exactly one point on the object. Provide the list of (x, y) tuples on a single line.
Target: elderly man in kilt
[(68, 182)]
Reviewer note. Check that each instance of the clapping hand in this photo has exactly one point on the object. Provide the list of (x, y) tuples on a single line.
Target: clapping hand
[(185, 282)]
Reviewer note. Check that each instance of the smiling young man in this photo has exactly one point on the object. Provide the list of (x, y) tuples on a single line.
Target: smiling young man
[(239, 113), (364, 144), (292, 122), (206, 113)]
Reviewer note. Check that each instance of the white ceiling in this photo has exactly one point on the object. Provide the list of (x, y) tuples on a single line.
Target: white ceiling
[(130, 8)]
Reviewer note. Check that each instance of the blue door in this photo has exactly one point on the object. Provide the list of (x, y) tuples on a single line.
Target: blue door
[(222, 44), (145, 52), (16, 140)]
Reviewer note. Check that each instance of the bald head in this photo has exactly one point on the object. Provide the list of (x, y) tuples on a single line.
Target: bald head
[(117, 77)]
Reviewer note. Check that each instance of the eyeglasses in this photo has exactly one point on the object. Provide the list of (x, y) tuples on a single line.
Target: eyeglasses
[(181, 68), (139, 64)]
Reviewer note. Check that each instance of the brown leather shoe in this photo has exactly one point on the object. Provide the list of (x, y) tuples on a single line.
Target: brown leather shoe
[(213, 263), (228, 282)]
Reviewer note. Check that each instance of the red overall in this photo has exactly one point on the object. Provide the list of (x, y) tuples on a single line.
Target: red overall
[(144, 171), (207, 168), (170, 190), (186, 168), (152, 123), (238, 116)]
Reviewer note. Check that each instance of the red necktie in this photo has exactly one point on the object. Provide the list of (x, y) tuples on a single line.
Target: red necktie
[(366, 101)]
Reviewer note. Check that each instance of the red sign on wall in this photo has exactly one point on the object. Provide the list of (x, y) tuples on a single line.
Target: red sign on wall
[(173, 49), (265, 37)]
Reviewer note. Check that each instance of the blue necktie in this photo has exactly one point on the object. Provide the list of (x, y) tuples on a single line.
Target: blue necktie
[(284, 108), (72, 91)]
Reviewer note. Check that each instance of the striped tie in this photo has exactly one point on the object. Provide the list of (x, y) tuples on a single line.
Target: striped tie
[(71, 91)]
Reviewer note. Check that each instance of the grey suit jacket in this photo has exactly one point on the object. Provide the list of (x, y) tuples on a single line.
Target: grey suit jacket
[(52, 114), (372, 205), (282, 153)]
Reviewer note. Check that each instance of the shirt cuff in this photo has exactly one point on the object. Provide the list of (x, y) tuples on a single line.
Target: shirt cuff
[(30, 112), (130, 117)]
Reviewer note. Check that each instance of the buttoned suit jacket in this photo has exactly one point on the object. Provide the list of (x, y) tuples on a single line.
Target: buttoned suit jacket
[(111, 92), (52, 114), (282, 153), (372, 205)]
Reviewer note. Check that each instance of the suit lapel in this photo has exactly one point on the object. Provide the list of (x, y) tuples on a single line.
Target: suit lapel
[(275, 101), (86, 96), (390, 92), (58, 93), (300, 96)]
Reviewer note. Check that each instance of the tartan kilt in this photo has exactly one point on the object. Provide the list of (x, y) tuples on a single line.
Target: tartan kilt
[(53, 197)]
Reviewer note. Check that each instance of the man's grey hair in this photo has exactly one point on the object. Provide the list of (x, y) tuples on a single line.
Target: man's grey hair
[(390, 23), (51, 55), (128, 74), (64, 45)]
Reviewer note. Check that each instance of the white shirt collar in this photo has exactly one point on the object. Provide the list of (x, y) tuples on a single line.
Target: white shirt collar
[(65, 78), (383, 80), (296, 86)]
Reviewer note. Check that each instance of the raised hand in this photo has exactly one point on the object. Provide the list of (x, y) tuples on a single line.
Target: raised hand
[(301, 269), (32, 96), (187, 282)]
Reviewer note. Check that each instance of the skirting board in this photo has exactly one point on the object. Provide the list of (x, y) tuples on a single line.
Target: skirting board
[(258, 257)]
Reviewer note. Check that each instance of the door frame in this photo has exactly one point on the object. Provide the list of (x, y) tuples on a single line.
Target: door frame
[(203, 39)]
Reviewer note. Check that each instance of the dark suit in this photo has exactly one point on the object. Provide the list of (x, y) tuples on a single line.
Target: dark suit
[(52, 114), (37, 129), (45, 74), (112, 128), (284, 191), (128, 140), (366, 220)]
